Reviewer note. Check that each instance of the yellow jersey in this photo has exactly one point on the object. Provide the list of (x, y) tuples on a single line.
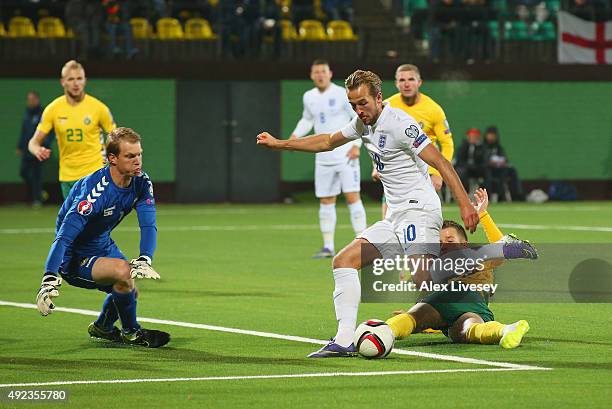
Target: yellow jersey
[(432, 120), (78, 130)]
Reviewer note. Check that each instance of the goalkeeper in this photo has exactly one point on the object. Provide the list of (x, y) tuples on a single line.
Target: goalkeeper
[(464, 316), (83, 253)]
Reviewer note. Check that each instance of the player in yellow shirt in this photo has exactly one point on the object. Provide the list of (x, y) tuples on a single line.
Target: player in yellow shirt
[(463, 316), (426, 112), (78, 120)]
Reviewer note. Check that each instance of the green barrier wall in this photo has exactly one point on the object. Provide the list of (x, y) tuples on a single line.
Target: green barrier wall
[(551, 130), (148, 106)]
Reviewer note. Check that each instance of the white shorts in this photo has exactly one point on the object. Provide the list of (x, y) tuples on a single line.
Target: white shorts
[(330, 180), (413, 231)]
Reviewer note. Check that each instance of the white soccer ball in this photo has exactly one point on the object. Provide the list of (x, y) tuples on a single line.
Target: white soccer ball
[(374, 339)]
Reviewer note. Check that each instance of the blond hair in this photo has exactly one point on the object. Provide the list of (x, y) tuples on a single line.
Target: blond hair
[(408, 67), (368, 78), (71, 65), (118, 135)]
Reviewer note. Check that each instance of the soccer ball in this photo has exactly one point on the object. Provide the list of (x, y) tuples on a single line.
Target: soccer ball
[(374, 339)]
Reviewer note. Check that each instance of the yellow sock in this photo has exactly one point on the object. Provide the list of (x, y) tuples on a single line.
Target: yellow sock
[(485, 333), (402, 325)]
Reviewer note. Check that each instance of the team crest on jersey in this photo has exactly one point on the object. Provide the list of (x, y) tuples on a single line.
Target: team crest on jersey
[(87, 120), (419, 140), (382, 141), (412, 131), (332, 102), (84, 208)]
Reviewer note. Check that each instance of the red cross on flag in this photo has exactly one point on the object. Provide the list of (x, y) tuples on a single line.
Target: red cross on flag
[(584, 42)]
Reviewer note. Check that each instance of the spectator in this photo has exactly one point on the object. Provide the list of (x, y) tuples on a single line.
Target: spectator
[(443, 30), (118, 14), (469, 161), (302, 10), (338, 9), (84, 17), (31, 169), (498, 171), (269, 26), (240, 26)]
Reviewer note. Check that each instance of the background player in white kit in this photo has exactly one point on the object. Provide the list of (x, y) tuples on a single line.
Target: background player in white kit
[(401, 152), (326, 107)]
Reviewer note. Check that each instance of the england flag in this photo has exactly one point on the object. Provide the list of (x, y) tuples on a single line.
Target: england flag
[(584, 42)]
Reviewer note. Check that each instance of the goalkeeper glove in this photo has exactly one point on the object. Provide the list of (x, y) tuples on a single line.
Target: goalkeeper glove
[(141, 268), (49, 288)]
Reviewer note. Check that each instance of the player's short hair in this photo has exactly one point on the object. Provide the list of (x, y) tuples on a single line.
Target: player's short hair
[(453, 224), (319, 61), (71, 65), (118, 135), (360, 77), (408, 67)]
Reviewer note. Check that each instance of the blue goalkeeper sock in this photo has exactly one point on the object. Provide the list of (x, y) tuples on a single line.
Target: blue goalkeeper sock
[(108, 315), (126, 306)]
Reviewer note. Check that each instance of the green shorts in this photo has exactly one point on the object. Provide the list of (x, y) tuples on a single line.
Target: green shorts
[(453, 304), (66, 186)]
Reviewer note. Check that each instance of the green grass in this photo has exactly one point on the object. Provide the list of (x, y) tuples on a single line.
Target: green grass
[(249, 267)]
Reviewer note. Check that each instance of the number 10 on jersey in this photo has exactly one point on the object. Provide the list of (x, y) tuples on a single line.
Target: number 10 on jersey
[(378, 161)]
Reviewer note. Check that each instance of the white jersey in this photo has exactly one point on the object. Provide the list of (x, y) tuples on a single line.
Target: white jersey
[(394, 143), (328, 111)]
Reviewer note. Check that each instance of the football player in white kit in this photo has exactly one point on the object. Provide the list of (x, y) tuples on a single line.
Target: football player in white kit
[(401, 153), (327, 109)]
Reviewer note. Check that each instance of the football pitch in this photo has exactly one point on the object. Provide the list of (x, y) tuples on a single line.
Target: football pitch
[(245, 304)]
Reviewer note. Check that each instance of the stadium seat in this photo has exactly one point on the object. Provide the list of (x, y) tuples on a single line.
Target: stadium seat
[(339, 30), (544, 31), (169, 29), (51, 27), (553, 5), (516, 30), (288, 30), (21, 27), (199, 29), (494, 29), (550, 31), (141, 28), (312, 30)]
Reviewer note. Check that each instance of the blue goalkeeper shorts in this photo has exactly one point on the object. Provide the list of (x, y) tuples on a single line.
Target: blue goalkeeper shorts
[(76, 268)]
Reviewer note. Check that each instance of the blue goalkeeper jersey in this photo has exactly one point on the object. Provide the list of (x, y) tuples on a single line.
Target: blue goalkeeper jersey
[(93, 208)]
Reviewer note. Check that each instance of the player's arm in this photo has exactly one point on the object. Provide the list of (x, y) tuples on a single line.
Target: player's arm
[(106, 120), (313, 143), (145, 209), (482, 203), (444, 136), (71, 227), (445, 141), (35, 146), (434, 158), (305, 123)]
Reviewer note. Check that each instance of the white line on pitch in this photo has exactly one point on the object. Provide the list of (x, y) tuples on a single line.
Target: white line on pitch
[(553, 227), (291, 227), (245, 377), (442, 357)]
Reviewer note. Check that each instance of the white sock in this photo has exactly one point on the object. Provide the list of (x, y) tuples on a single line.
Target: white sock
[(347, 295), (358, 216), (327, 221)]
